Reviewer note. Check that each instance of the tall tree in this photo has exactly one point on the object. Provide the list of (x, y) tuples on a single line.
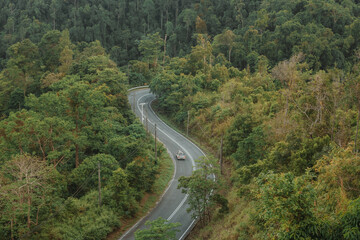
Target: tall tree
[(149, 8), (150, 47), (202, 186), (25, 187), (23, 65), (227, 38)]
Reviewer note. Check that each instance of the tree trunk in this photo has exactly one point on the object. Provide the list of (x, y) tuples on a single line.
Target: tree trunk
[(76, 145), (75, 3), (230, 54), (29, 205), (76, 155), (12, 229), (176, 13), (41, 149), (161, 19), (148, 18), (54, 20), (357, 131), (167, 15)]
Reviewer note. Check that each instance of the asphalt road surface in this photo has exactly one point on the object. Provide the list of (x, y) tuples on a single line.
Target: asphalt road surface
[(173, 204)]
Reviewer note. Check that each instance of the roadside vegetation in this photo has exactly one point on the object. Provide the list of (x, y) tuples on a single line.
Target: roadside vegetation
[(278, 80), (65, 116)]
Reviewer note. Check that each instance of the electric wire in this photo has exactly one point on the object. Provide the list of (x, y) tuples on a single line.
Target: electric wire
[(129, 155)]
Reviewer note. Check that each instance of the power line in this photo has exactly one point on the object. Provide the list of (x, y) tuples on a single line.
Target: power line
[(62, 206)]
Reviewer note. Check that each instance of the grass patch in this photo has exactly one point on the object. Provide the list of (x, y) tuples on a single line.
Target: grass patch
[(166, 170)]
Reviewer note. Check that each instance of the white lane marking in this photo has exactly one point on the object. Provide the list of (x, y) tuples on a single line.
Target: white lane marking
[(171, 182), (178, 207), (176, 131), (177, 143), (135, 88), (191, 224), (191, 158)]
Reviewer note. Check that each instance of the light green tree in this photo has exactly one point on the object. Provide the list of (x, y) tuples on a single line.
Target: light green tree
[(286, 206), (23, 65), (150, 48), (123, 196), (201, 187), (159, 229), (227, 39), (26, 188)]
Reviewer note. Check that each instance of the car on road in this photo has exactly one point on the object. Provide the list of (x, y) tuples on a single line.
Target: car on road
[(180, 155)]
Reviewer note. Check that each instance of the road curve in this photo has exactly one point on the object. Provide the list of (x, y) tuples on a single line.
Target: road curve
[(173, 204)]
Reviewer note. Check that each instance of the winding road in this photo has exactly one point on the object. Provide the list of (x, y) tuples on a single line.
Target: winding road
[(173, 204)]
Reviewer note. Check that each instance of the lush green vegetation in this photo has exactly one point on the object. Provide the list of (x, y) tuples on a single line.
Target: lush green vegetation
[(65, 112), (158, 229), (289, 116), (278, 79), (325, 30)]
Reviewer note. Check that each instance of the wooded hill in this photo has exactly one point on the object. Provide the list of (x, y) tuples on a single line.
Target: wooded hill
[(327, 31), (65, 115), (278, 79)]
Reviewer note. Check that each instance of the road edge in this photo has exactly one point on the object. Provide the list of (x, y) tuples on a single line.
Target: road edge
[(168, 185)]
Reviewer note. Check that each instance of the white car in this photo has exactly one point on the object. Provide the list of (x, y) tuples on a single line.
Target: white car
[(180, 155)]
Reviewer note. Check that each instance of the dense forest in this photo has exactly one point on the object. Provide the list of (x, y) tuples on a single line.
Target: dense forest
[(283, 91), (327, 31), (65, 116), (278, 80)]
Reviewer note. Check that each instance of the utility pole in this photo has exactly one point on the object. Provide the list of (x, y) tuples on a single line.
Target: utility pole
[(357, 131), (146, 121), (221, 152), (187, 125), (142, 112), (155, 146), (134, 104), (99, 176), (147, 124)]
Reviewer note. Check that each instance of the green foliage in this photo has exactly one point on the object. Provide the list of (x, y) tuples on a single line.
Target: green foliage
[(50, 50), (82, 219), (87, 171), (141, 175), (124, 149), (350, 222), (338, 179), (29, 190), (123, 196), (28, 131), (242, 30), (251, 149), (158, 229), (222, 202), (65, 110), (23, 65), (239, 130), (150, 47), (286, 209), (279, 79), (201, 187), (291, 155)]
